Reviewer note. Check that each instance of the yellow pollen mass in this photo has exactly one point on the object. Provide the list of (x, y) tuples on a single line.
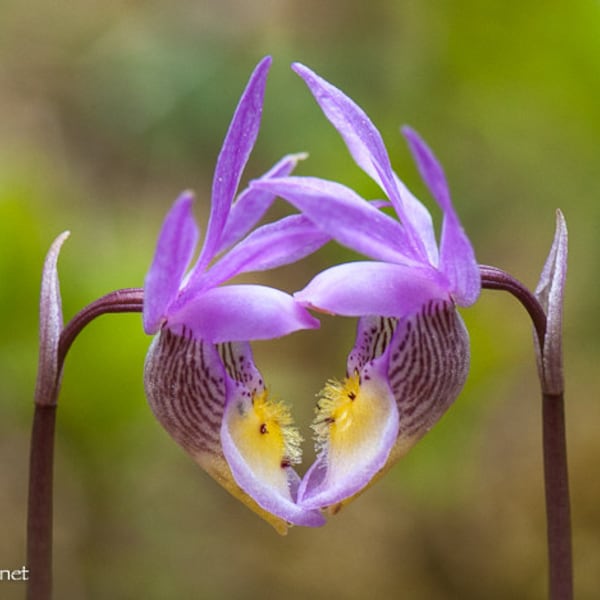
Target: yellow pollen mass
[(335, 408), (264, 433), (348, 413)]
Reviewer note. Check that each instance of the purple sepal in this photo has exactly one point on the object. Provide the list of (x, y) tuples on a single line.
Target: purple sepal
[(233, 157), (241, 312), (273, 245), (251, 205), (345, 216), (372, 288), (366, 146), (457, 257), (176, 244)]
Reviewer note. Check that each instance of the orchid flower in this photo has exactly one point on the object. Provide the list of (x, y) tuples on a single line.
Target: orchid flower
[(411, 355), (200, 377)]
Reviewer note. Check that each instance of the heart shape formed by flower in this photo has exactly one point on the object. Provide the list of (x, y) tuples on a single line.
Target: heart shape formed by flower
[(411, 355)]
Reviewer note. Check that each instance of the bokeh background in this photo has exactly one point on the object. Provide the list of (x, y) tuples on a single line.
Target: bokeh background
[(109, 109)]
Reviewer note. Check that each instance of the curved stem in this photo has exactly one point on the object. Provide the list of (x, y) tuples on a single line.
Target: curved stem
[(556, 477), (119, 301), (493, 278), (39, 507)]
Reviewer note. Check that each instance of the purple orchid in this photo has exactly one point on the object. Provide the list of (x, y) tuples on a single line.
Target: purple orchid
[(411, 355), (200, 376)]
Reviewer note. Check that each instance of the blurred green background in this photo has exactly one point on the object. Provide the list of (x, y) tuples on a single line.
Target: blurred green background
[(109, 109)]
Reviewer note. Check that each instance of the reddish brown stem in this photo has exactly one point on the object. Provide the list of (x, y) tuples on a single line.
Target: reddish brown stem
[(39, 508), (556, 476)]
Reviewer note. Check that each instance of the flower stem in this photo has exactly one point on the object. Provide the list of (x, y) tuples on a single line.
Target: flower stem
[(556, 479), (493, 278), (557, 498), (39, 508), (119, 301)]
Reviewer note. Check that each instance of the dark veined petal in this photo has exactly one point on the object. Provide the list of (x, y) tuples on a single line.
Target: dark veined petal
[(457, 257), (185, 385), (233, 157), (176, 244), (421, 362), (373, 337), (368, 150), (429, 357), (189, 385), (252, 203), (234, 313), (345, 216), (373, 288), (270, 246)]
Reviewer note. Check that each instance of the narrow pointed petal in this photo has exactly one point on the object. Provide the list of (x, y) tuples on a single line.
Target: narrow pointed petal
[(458, 262), (241, 312), (233, 157), (420, 220), (273, 245), (430, 169), (372, 288), (550, 293), (345, 216), (365, 145), (357, 422), (51, 325), (457, 257), (260, 442), (361, 136), (176, 244), (252, 203)]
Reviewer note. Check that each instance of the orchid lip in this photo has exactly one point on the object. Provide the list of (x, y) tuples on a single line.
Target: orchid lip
[(211, 399), (356, 425), (403, 375)]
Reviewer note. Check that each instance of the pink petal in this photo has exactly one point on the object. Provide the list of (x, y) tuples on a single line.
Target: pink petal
[(273, 245), (345, 216), (176, 244), (233, 157), (457, 257), (368, 150), (241, 313), (252, 204), (373, 288)]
